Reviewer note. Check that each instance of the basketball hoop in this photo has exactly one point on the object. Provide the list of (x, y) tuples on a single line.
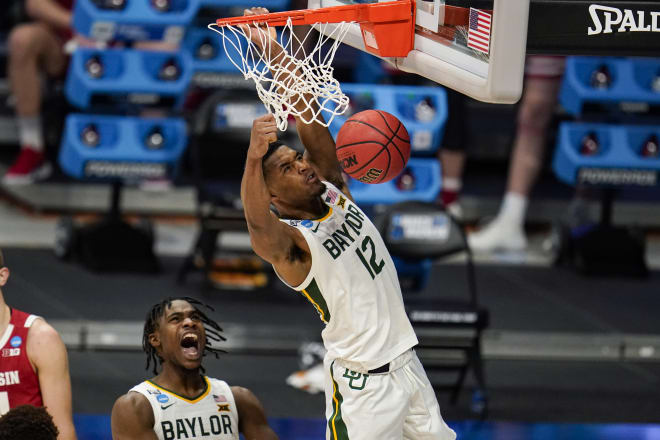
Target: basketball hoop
[(290, 81)]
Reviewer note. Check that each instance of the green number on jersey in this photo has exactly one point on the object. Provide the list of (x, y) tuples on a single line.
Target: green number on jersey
[(373, 267)]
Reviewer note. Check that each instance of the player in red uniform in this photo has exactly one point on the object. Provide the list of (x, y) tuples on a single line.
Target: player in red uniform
[(34, 368)]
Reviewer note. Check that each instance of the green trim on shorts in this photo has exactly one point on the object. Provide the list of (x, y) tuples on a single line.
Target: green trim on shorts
[(336, 424)]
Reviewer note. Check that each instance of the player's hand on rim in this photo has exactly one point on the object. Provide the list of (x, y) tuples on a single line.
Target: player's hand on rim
[(259, 33), (264, 131)]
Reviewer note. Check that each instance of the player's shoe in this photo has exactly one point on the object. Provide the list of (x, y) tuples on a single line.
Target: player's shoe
[(311, 380), (455, 209), (498, 235), (30, 166)]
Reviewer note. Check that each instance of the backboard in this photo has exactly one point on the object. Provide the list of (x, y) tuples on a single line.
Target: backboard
[(452, 46)]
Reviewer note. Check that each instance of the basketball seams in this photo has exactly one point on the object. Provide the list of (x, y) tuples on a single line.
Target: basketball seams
[(375, 156), (387, 124), (389, 159), (376, 129), (362, 143), (395, 133), (403, 160), (387, 169)]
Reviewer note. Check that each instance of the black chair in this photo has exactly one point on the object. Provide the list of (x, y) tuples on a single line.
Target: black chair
[(449, 331)]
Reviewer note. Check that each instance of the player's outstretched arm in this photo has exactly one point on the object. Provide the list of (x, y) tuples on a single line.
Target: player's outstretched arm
[(271, 239), (320, 151), (319, 144), (47, 353), (132, 418), (251, 416)]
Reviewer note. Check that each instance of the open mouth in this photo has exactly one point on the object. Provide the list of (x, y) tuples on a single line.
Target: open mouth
[(190, 345)]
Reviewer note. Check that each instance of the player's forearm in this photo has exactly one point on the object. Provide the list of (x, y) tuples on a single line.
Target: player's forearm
[(49, 12), (255, 196), (67, 431)]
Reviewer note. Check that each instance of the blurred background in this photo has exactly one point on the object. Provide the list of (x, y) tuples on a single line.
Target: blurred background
[(123, 133)]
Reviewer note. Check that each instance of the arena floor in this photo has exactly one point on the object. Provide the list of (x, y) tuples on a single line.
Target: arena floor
[(566, 356), (550, 389)]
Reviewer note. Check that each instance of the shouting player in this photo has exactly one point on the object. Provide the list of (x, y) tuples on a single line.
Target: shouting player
[(180, 402), (34, 368), (325, 247)]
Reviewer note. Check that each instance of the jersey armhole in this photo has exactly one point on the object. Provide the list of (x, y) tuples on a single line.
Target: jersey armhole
[(30, 320), (151, 404), (310, 276)]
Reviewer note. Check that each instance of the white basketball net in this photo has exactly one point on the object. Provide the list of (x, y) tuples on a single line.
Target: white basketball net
[(313, 87)]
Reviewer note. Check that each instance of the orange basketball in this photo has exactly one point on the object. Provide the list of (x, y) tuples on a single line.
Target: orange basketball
[(373, 146)]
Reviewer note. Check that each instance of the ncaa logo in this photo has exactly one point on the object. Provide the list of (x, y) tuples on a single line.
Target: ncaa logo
[(307, 223), (16, 341), (162, 398)]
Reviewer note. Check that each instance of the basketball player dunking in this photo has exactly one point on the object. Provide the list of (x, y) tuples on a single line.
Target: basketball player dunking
[(325, 247), (181, 402), (34, 368)]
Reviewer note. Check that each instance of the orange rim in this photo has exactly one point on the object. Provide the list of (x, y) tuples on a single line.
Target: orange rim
[(387, 28)]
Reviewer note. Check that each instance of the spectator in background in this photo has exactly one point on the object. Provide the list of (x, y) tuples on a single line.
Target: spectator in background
[(452, 154), (542, 82), (27, 422), (33, 365), (35, 49)]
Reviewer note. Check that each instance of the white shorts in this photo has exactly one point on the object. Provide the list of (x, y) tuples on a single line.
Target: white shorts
[(399, 404)]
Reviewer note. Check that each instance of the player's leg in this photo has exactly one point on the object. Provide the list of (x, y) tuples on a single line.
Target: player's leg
[(537, 106), (423, 420), (364, 407), (33, 49), (452, 154)]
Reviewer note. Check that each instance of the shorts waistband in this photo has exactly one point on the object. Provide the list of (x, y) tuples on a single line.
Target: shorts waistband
[(393, 365)]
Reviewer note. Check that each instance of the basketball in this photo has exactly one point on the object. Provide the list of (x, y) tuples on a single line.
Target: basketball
[(373, 146)]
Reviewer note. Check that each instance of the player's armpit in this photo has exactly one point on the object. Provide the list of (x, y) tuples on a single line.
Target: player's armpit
[(252, 421), (132, 418), (285, 248), (47, 353)]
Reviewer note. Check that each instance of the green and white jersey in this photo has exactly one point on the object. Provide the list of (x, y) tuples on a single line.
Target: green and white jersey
[(353, 285), (210, 416)]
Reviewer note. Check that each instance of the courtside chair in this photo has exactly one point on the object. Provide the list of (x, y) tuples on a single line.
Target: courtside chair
[(449, 330)]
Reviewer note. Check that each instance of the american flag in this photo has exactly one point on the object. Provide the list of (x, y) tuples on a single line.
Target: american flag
[(479, 30), (331, 196)]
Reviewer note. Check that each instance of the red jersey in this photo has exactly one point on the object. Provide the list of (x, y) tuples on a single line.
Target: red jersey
[(19, 384)]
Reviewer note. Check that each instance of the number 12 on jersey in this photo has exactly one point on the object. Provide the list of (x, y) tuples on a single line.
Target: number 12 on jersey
[(372, 266)]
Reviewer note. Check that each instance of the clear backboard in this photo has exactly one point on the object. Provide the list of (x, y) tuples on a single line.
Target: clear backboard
[(478, 52)]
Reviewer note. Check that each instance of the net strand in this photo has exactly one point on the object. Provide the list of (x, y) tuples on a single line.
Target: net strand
[(295, 82)]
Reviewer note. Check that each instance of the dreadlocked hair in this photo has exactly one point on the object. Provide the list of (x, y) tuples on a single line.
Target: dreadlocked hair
[(27, 421), (212, 328)]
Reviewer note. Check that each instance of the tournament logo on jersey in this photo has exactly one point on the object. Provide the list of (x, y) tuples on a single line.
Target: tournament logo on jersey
[(10, 352), (307, 223), (162, 398), (294, 223), (16, 341)]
